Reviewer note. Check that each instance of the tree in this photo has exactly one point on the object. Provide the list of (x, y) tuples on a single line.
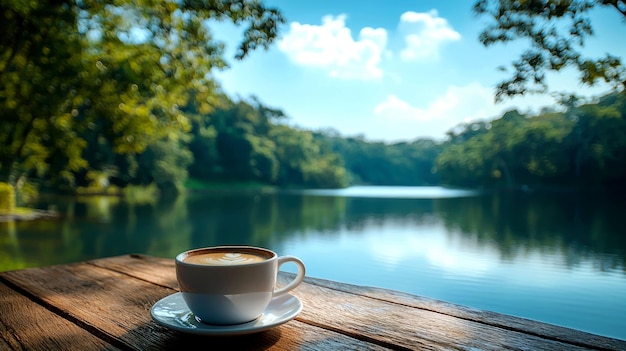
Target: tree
[(40, 62), (597, 143), (165, 163), (557, 30), (581, 147), (122, 70)]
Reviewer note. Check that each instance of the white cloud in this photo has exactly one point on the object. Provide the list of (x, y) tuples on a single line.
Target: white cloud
[(459, 104), (332, 47), (425, 33)]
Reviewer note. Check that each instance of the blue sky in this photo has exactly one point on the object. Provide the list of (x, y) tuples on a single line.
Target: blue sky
[(395, 70)]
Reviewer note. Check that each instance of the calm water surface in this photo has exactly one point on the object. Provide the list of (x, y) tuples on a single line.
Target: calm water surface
[(555, 258)]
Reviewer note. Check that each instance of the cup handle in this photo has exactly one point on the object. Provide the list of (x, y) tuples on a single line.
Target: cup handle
[(299, 276)]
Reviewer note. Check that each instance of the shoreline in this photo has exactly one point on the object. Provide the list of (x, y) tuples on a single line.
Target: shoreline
[(26, 214)]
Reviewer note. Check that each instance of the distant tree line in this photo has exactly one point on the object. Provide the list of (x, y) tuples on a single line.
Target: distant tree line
[(379, 163), (248, 141), (578, 145), (583, 146)]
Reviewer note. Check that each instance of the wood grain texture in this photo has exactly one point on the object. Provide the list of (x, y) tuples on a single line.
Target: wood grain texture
[(528, 326), (411, 327), (108, 300), (410, 321), (116, 306), (26, 325)]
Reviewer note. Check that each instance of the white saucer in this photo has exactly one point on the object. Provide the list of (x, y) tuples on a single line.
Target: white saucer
[(172, 312)]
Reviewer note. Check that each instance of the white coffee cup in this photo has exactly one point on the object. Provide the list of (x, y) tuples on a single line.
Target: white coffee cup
[(231, 284)]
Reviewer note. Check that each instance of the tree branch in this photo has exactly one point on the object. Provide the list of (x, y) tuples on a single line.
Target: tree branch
[(620, 6)]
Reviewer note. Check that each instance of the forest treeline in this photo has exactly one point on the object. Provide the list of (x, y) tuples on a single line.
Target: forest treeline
[(583, 146), (580, 145), (97, 97)]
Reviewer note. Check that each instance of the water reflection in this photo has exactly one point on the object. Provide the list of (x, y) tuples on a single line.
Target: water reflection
[(578, 228), (541, 257)]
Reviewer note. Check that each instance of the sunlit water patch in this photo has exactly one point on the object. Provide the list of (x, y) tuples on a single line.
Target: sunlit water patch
[(397, 192)]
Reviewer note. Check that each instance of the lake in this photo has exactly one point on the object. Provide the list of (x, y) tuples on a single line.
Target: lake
[(558, 258)]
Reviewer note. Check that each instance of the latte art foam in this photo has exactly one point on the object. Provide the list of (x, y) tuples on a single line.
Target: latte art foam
[(224, 258)]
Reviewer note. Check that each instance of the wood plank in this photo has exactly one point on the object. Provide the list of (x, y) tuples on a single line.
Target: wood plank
[(26, 325), (409, 321), (293, 335), (544, 330), (411, 327), (117, 305), (159, 271)]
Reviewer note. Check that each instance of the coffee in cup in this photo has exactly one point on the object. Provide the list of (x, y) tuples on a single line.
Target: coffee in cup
[(225, 258), (231, 284)]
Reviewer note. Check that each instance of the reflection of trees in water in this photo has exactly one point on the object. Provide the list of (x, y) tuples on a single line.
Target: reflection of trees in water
[(10, 258), (259, 219), (159, 228), (580, 228), (222, 219), (38, 243), (323, 215), (368, 212), (330, 215), (100, 226)]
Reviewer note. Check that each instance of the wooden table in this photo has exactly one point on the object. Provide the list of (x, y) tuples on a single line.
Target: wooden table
[(105, 304)]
